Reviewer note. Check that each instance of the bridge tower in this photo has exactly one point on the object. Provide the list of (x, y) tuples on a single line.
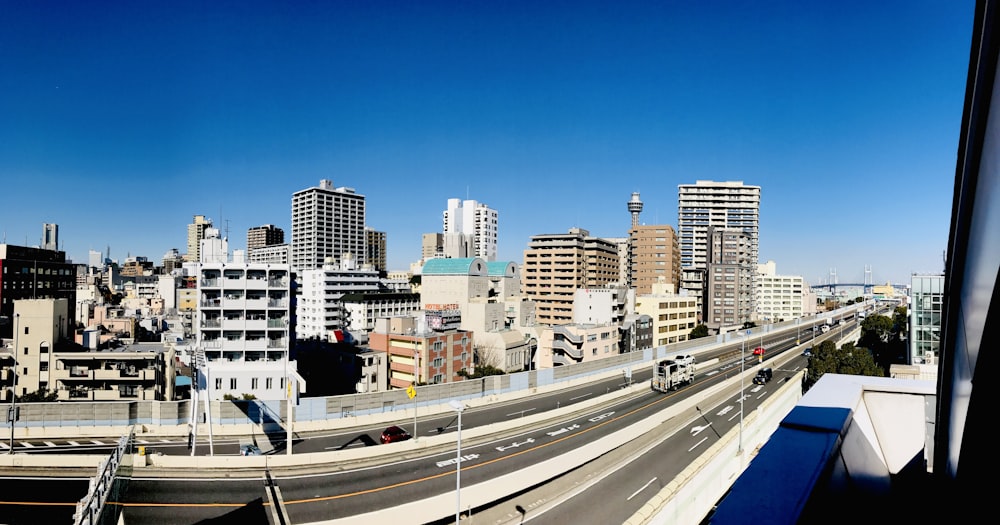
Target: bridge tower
[(869, 281), (833, 281)]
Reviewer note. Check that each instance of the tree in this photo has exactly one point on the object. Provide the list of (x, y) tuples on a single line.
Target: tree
[(848, 359), (38, 396), (698, 332), (481, 371), (885, 338), (749, 324)]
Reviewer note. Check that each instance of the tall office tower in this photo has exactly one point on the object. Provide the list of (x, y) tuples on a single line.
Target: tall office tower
[(375, 246), (266, 235), (196, 232), (654, 256), (50, 236), (327, 222), (431, 246), (732, 271), (713, 204), (557, 265), (470, 230), (33, 273), (635, 208)]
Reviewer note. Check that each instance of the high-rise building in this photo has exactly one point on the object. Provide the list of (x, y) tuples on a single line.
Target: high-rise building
[(33, 273), (266, 235), (432, 245), (327, 222), (50, 236), (705, 204), (556, 265), (654, 255), (375, 246), (196, 232), (470, 230), (728, 301)]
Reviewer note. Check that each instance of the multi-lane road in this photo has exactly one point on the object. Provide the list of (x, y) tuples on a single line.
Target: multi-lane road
[(335, 491)]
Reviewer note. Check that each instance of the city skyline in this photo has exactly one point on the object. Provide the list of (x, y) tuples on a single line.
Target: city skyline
[(124, 122)]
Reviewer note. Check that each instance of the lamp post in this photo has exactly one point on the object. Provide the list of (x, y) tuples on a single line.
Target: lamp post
[(458, 407), (13, 398), (743, 359)]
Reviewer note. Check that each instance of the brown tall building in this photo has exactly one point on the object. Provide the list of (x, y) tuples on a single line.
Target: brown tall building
[(653, 253), (557, 265), (266, 235)]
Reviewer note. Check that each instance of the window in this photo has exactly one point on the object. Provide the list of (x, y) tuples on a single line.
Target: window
[(25, 330), (253, 383), (43, 366), (232, 383), (437, 362), (269, 383), (218, 383)]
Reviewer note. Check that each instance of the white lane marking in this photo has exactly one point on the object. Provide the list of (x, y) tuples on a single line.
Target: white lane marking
[(563, 430), (74, 443), (49, 443), (521, 413), (696, 444), (142, 441), (695, 430), (516, 444), (26, 444), (4, 446), (96, 442), (580, 397), (636, 493)]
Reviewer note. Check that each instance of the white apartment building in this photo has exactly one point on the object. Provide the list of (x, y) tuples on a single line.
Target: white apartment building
[(362, 309), (673, 315), (575, 343), (318, 310), (780, 297), (706, 204), (274, 254), (327, 222), (605, 305), (242, 326), (470, 230)]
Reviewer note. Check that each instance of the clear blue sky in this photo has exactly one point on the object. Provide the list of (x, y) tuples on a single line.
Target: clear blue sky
[(119, 121)]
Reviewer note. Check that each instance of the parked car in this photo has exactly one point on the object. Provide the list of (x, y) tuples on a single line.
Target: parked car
[(394, 434), (807, 352)]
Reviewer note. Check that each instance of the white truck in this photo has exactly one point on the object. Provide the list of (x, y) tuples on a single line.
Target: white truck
[(670, 375)]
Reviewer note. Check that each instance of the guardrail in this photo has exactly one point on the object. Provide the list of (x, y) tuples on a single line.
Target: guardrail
[(90, 510)]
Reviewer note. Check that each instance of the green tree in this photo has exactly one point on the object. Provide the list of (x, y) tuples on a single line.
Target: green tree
[(481, 371), (848, 359), (698, 332), (749, 324), (39, 396)]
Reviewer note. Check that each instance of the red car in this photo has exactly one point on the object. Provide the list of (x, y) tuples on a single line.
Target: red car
[(394, 434)]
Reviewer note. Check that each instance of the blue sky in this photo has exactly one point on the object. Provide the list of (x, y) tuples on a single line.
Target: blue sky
[(119, 121)]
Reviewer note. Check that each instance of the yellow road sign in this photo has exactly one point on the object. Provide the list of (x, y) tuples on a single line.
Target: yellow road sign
[(412, 392)]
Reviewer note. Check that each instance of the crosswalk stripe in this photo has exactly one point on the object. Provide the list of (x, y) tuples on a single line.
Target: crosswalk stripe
[(165, 440), (96, 442), (143, 441), (4, 446), (26, 444), (74, 443), (49, 443)]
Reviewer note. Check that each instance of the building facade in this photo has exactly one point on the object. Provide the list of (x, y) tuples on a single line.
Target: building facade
[(33, 273), (781, 297), (195, 233), (654, 253), (926, 308), (557, 265), (470, 230), (327, 222), (570, 344), (243, 324), (731, 272), (265, 235), (319, 310), (418, 354), (375, 242), (706, 204), (673, 315)]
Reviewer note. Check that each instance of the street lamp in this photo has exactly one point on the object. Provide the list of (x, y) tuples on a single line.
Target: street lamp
[(458, 407), (13, 398)]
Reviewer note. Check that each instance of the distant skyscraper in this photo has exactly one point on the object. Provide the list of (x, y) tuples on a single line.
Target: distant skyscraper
[(708, 204), (375, 245), (635, 208), (196, 232), (50, 236), (266, 235), (470, 230), (327, 223)]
